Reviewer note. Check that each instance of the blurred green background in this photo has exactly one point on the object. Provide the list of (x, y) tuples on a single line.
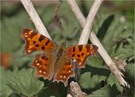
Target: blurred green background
[(113, 25)]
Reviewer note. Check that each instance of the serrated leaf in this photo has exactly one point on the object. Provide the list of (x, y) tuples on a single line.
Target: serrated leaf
[(86, 81), (5, 91), (90, 81), (106, 91), (23, 82), (130, 71), (113, 81)]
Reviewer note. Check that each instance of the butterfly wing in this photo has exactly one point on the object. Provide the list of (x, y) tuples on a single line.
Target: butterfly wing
[(64, 73), (80, 52), (35, 41), (42, 65)]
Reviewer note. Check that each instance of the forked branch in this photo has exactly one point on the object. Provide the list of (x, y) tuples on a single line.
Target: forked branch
[(85, 24), (41, 29)]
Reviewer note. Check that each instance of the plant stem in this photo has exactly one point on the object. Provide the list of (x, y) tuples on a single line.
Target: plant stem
[(86, 24), (35, 18)]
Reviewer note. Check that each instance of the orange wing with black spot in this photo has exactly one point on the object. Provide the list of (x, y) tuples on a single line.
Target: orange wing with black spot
[(35, 41), (80, 52), (65, 72), (42, 64)]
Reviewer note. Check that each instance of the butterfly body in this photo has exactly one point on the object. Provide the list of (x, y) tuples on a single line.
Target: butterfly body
[(56, 63)]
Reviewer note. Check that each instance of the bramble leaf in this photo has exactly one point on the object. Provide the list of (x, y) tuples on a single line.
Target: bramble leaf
[(23, 82)]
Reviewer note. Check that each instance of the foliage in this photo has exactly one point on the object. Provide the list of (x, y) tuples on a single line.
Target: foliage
[(113, 28), (21, 82)]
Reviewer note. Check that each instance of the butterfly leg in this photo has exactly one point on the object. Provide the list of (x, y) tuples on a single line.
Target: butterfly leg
[(76, 69)]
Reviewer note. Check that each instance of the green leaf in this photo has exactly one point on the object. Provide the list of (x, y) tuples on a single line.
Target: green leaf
[(106, 91), (5, 91), (130, 71), (23, 82), (113, 81), (87, 80)]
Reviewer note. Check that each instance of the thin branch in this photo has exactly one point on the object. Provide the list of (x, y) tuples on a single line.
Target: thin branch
[(88, 23), (35, 18), (95, 41), (109, 62), (75, 90), (41, 29), (92, 13)]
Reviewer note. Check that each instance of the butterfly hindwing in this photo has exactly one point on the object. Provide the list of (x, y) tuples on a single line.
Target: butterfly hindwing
[(80, 52), (65, 72), (35, 41), (42, 65)]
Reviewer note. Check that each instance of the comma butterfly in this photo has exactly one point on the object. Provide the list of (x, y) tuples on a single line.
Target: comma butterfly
[(57, 62)]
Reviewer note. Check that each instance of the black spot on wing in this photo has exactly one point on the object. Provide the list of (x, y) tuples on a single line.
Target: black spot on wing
[(43, 47), (34, 42), (47, 42), (37, 45), (78, 55), (41, 38), (82, 54), (73, 49), (46, 59), (87, 47), (80, 47), (43, 57), (67, 63), (73, 55)]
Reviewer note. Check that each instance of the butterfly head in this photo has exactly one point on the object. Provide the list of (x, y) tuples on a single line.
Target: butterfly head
[(63, 44)]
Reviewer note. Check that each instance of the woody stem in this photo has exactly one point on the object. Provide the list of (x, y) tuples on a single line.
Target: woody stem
[(86, 25), (35, 18)]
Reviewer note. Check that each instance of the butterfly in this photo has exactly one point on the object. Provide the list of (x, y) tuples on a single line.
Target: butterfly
[(56, 62)]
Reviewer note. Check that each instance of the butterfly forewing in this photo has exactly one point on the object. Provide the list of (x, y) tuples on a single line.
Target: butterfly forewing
[(35, 41), (80, 52)]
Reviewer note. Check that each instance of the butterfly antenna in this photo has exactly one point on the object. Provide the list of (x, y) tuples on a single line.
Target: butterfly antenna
[(71, 32), (57, 18), (61, 29)]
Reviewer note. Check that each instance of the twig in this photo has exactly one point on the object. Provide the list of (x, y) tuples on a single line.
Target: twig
[(86, 28), (88, 23), (95, 41), (74, 88), (35, 18), (109, 62), (41, 29)]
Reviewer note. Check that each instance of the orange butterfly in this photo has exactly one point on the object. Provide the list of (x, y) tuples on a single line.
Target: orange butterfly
[(57, 62)]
